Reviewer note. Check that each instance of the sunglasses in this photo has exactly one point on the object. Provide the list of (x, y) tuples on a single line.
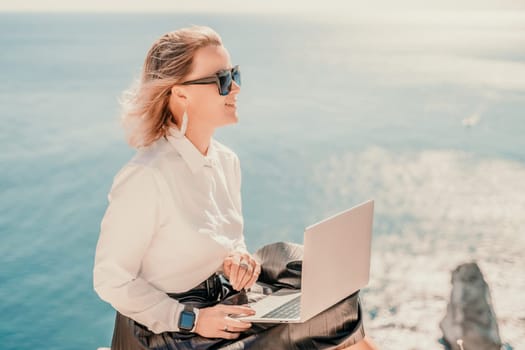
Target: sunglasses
[(222, 78)]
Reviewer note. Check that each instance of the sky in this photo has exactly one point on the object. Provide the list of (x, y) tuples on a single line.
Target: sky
[(272, 6)]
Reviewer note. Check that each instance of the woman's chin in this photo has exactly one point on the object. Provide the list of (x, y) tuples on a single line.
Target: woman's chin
[(229, 119), (232, 117)]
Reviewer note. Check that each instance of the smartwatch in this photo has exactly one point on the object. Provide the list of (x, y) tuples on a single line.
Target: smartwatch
[(187, 318)]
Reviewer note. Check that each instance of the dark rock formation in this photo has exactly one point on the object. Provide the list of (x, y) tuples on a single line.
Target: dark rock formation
[(470, 316)]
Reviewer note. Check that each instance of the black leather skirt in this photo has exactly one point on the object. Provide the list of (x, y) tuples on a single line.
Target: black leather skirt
[(338, 327)]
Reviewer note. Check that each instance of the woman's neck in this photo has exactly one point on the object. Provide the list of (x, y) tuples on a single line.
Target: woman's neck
[(200, 138)]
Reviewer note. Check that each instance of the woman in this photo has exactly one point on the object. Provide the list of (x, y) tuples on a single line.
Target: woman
[(174, 224)]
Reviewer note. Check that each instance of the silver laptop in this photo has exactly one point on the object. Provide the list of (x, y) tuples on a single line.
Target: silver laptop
[(336, 263)]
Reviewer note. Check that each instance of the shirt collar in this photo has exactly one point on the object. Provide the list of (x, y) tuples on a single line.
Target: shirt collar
[(191, 155)]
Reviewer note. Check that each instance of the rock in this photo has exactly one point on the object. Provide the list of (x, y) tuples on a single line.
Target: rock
[(470, 316)]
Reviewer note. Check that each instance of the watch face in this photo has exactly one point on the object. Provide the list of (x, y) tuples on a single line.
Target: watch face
[(186, 320)]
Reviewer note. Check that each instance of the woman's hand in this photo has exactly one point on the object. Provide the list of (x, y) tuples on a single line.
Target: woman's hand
[(241, 269), (215, 321)]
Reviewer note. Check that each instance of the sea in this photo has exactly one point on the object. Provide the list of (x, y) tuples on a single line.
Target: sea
[(423, 112)]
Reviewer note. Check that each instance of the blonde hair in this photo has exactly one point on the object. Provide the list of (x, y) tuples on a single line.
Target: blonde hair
[(145, 113)]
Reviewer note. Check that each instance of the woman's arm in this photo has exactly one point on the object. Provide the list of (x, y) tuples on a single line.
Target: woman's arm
[(129, 223)]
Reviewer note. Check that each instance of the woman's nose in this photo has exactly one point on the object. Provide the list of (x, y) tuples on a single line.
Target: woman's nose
[(235, 87)]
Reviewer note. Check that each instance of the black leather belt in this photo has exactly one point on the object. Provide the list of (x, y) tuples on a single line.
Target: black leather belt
[(209, 290)]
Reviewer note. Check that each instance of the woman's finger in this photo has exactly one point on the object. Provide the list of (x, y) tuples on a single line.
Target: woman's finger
[(255, 275), (241, 268), (226, 266), (234, 272), (248, 268), (233, 329), (236, 325), (228, 335), (235, 310)]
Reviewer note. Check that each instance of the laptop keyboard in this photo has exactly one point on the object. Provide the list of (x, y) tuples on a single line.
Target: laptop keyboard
[(289, 310)]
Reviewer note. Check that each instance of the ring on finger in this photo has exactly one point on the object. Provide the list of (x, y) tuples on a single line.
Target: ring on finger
[(244, 265)]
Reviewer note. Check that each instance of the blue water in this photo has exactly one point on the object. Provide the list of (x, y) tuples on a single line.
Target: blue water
[(314, 92)]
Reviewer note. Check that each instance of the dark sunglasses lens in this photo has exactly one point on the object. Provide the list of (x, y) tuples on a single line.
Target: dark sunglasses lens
[(237, 76), (225, 84), (225, 80)]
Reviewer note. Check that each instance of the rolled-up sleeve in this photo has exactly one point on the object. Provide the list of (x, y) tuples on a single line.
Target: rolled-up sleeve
[(131, 219)]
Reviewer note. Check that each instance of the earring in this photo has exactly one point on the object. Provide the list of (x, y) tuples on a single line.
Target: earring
[(182, 130), (184, 125)]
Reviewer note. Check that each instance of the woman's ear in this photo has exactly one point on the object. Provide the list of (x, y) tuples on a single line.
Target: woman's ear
[(178, 91), (178, 101)]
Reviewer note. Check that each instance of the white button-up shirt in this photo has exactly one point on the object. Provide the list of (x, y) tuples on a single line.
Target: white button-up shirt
[(173, 216)]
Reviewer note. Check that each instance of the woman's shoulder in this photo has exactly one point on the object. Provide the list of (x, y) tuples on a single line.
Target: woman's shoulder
[(132, 178), (143, 166), (151, 154)]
